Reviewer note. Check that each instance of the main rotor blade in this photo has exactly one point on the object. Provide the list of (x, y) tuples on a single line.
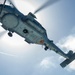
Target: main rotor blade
[(48, 3), (2, 33), (12, 3)]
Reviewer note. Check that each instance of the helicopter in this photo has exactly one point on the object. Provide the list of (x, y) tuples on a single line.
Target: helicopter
[(30, 29)]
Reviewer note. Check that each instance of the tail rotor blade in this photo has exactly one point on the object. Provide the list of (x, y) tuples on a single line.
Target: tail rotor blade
[(48, 3)]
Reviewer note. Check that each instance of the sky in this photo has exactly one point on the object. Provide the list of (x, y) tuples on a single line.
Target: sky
[(20, 58)]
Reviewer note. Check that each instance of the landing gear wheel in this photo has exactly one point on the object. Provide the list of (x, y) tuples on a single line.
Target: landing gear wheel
[(10, 34), (46, 48)]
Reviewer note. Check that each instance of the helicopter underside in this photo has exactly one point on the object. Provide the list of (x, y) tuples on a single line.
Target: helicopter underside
[(13, 23)]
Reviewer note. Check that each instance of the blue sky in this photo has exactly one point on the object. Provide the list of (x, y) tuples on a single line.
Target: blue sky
[(19, 58)]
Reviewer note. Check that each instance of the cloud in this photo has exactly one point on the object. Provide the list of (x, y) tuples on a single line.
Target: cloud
[(72, 65), (68, 43), (46, 63), (45, 66)]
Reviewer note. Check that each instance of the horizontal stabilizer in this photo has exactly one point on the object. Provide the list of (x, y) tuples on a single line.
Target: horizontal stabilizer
[(68, 61)]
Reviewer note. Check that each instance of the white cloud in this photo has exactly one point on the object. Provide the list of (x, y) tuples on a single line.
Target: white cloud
[(47, 63), (68, 43), (72, 65)]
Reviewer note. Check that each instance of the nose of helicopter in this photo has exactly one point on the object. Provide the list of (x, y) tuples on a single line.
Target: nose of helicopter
[(9, 21)]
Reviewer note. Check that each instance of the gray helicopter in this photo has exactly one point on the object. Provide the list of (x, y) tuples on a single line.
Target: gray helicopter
[(29, 28)]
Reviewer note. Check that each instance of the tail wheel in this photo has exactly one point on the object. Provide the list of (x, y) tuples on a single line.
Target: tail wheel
[(46, 48)]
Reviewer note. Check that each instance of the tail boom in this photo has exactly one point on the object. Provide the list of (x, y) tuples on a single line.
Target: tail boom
[(70, 56)]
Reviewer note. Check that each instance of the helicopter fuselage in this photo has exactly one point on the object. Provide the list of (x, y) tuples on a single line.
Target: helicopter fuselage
[(25, 26)]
